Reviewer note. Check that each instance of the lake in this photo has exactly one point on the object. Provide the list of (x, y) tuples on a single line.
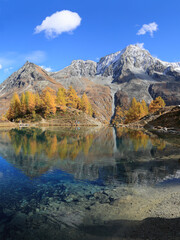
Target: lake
[(88, 183)]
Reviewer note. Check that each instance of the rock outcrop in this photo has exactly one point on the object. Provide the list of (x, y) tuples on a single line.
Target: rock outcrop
[(81, 75), (169, 91), (136, 72), (77, 68), (135, 62), (29, 77), (166, 120), (115, 79), (122, 99)]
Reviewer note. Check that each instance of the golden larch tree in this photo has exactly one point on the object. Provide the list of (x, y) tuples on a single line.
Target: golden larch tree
[(72, 98), (23, 107), (38, 103), (119, 115), (86, 105), (156, 104), (14, 109), (50, 90), (49, 104), (135, 112), (61, 97), (145, 107), (30, 101)]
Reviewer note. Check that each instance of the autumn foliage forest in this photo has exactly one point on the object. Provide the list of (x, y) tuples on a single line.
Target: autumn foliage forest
[(35, 105), (137, 110)]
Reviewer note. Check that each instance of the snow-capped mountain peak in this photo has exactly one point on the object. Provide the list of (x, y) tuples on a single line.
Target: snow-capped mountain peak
[(107, 61)]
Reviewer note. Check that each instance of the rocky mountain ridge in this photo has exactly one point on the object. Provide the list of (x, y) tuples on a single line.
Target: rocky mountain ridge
[(132, 71), (134, 59), (131, 59), (115, 79), (26, 78)]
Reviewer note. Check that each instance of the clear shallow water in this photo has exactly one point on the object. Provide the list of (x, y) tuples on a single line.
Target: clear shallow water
[(59, 183)]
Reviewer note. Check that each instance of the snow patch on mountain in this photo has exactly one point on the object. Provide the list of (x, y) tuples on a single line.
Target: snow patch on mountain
[(130, 59), (107, 61)]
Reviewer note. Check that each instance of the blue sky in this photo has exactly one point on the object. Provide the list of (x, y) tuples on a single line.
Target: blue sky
[(97, 29)]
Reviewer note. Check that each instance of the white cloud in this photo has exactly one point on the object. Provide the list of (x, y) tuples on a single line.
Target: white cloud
[(6, 61), (48, 69), (9, 60), (36, 57), (141, 45), (8, 70), (59, 22), (151, 28)]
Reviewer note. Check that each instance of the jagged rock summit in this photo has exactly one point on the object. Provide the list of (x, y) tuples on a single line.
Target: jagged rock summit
[(115, 79), (133, 71), (133, 61), (81, 68), (29, 77)]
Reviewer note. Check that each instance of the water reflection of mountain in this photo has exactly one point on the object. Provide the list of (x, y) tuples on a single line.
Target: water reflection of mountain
[(105, 154)]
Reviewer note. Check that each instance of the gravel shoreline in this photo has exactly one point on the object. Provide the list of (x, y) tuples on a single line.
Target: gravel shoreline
[(119, 213)]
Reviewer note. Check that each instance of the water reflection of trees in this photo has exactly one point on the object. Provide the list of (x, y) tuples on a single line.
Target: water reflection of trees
[(35, 142), (68, 145), (126, 155), (143, 157), (140, 139), (77, 151)]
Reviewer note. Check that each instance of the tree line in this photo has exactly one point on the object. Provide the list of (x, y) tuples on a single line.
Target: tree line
[(47, 103), (137, 110)]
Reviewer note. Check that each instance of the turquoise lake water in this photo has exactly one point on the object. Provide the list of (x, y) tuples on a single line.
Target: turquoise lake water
[(57, 183)]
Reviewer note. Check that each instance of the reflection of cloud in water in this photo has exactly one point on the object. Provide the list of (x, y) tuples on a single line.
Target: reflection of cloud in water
[(1, 175), (176, 175)]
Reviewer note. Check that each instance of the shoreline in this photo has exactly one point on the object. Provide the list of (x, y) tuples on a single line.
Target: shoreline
[(134, 126)]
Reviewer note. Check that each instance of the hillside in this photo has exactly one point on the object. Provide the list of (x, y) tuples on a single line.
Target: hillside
[(169, 120), (33, 78), (72, 117), (114, 80), (28, 78)]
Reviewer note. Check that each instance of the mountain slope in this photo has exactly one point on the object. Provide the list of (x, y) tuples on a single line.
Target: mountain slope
[(134, 61), (132, 72), (81, 75), (137, 74), (169, 119), (33, 78), (30, 77)]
